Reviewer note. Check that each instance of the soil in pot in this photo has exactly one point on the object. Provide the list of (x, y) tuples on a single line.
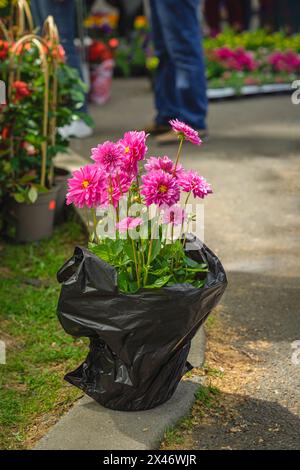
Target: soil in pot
[(34, 222), (61, 177)]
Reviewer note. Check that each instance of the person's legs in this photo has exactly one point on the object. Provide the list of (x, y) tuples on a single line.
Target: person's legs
[(181, 35), (37, 7), (165, 92), (64, 15)]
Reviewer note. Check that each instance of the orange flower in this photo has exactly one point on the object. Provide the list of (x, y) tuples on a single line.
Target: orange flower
[(27, 46), (140, 22), (56, 51)]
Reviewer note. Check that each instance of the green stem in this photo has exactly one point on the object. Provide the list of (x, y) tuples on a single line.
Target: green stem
[(136, 263), (185, 204), (187, 199), (148, 262), (178, 154), (142, 250), (185, 235), (86, 212), (95, 223), (138, 188)]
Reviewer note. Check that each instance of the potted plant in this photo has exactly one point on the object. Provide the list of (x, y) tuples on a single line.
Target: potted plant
[(145, 284), (43, 94)]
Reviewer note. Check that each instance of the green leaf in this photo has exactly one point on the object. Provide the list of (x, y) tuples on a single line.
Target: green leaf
[(101, 251), (190, 262), (129, 251), (32, 194), (160, 272), (26, 179), (19, 197), (160, 282), (41, 189), (116, 247), (156, 247), (200, 269), (132, 287), (199, 283), (123, 282), (87, 119)]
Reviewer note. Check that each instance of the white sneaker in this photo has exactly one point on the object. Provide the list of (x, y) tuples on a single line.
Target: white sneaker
[(78, 129)]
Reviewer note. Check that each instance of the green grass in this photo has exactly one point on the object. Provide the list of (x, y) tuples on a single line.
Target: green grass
[(32, 389), (206, 398)]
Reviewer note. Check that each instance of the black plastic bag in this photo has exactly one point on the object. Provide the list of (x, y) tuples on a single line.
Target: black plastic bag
[(139, 343)]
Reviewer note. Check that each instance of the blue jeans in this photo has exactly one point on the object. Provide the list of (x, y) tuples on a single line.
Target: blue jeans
[(64, 14), (180, 84)]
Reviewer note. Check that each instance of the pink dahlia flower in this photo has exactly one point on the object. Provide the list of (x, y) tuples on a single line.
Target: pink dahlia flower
[(117, 186), (165, 164), (129, 223), (134, 145), (185, 131), (87, 187), (108, 156), (191, 181), (174, 215), (160, 188)]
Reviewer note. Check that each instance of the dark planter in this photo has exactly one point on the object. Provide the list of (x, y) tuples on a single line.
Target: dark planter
[(61, 177), (139, 343), (34, 222)]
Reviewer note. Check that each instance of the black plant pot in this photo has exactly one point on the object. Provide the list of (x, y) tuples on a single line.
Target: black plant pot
[(61, 177), (139, 343), (35, 221)]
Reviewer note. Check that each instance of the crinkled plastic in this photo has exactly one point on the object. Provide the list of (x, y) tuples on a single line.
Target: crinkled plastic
[(139, 343)]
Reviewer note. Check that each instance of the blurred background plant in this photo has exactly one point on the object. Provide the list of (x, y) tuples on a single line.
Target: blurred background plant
[(43, 95)]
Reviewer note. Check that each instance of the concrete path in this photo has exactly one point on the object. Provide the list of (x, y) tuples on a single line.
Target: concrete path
[(252, 223), (90, 426)]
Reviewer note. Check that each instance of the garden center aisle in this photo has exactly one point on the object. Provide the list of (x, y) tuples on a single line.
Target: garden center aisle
[(252, 222)]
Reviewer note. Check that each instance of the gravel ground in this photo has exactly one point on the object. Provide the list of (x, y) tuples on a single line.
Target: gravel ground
[(252, 222)]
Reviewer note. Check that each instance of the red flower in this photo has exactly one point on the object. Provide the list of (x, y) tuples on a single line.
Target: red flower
[(5, 133), (99, 52), (3, 49), (21, 90), (113, 43)]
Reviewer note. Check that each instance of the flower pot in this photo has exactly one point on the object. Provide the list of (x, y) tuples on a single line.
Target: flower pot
[(139, 343), (61, 177), (35, 221)]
